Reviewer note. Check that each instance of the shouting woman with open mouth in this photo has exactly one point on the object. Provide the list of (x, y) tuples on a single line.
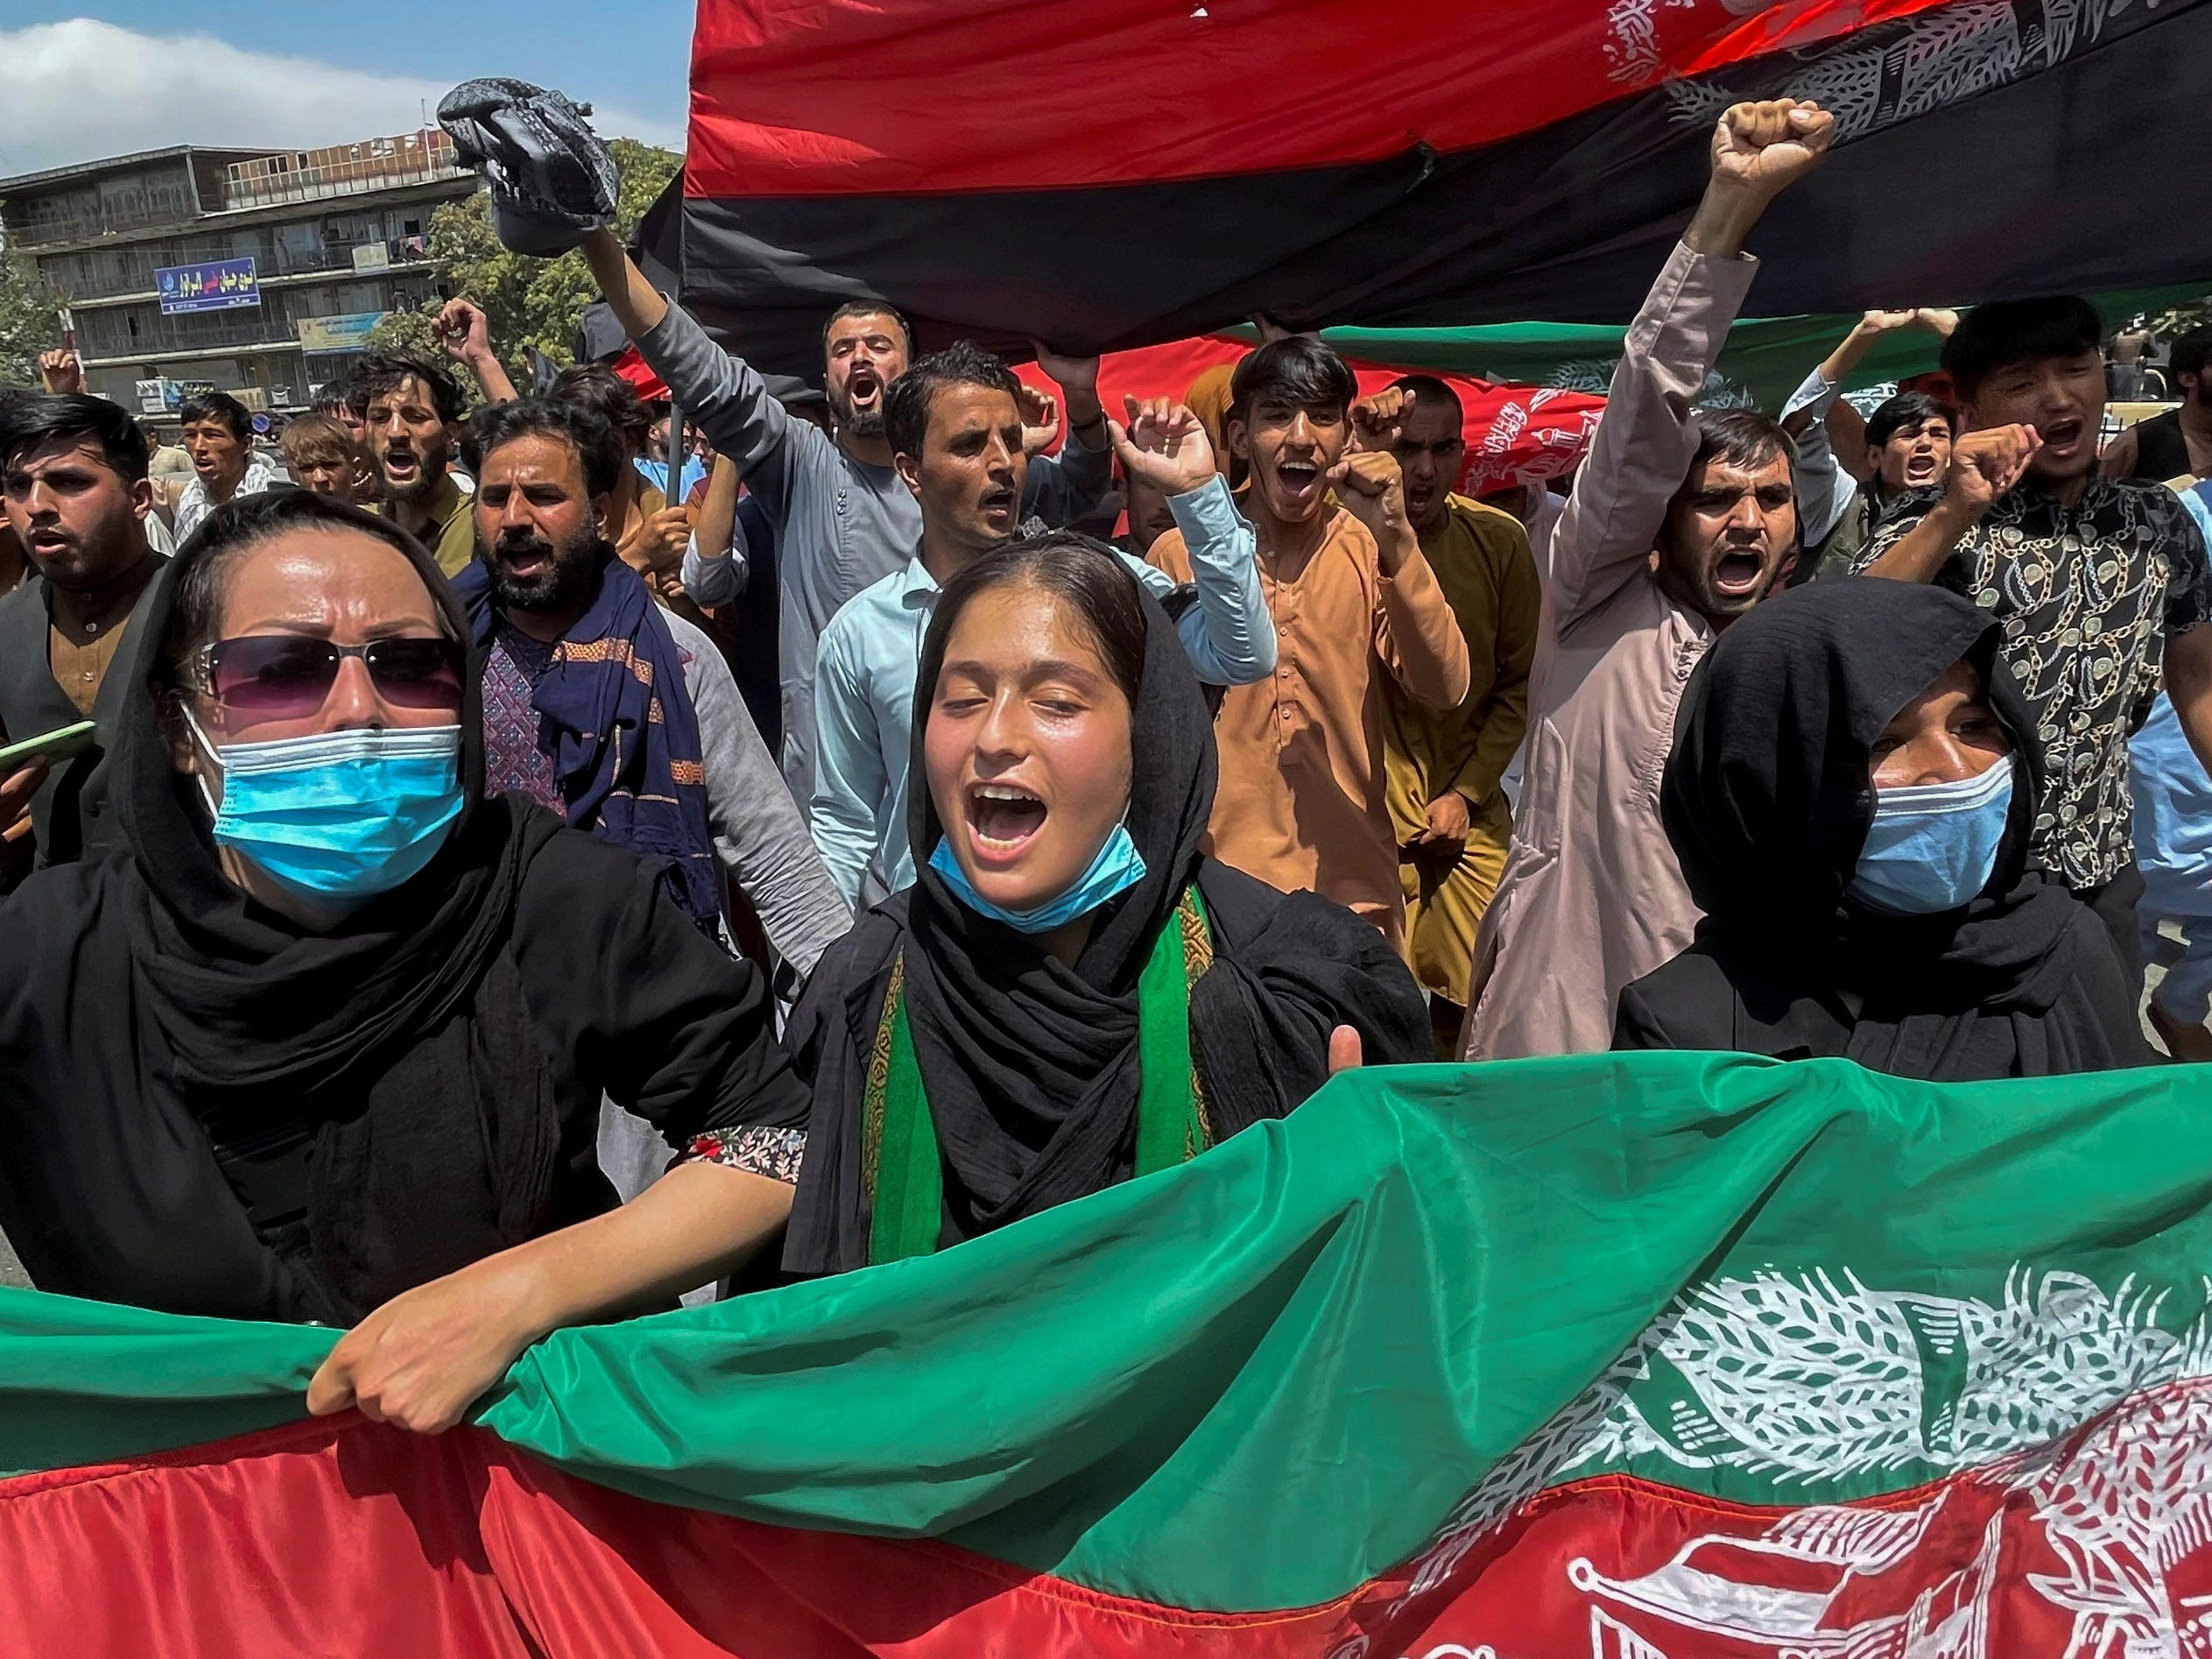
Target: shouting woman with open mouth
[(1072, 993)]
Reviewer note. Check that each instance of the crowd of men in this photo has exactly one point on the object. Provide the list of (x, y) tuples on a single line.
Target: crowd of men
[(1387, 655)]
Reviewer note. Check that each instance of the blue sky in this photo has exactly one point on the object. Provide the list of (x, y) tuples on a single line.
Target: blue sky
[(134, 74)]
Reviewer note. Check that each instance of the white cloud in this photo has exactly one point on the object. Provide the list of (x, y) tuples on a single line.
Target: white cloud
[(81, 90)]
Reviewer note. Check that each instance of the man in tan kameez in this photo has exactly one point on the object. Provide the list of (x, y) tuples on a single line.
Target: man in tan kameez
[(1442, 766), (1300, 802)]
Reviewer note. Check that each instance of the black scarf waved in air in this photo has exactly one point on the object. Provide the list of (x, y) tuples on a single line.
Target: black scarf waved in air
[(1031, 1065)]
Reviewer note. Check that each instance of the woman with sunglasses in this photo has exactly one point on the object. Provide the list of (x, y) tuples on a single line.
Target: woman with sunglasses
[(327, 1042)]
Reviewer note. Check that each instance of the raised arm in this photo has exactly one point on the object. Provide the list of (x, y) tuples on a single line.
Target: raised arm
[(724, 394), (462, 329), (1983, 466), (1229, 636), (1061, 489), (714, 568), (1416, 634), (1644, 442)]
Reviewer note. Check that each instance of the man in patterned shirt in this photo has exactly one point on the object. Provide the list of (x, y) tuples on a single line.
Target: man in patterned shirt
[(2095, 580)]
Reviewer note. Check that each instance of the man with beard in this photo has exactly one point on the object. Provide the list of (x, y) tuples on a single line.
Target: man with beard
[(1300, 803), (2098, 581), (218, 436), (1441, 768), (2178, 444), (412, 424), (73, 482), (1677, 525), (841, 516), (955, 425), (602, 706)]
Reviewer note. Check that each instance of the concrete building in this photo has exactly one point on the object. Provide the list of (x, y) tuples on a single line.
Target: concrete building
[(256, 272)]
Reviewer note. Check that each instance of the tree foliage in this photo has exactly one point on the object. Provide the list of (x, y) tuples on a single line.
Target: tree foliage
[(527, 302), (28, 323)]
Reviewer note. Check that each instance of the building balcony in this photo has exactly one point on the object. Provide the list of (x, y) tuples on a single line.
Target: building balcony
[(346, 170), (128, 278)]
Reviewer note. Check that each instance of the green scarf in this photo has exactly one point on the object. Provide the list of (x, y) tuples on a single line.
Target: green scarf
[(902, 1168)]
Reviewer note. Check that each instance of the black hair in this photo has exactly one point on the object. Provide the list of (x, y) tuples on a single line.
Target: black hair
[(383, 372), (572, 421), (219, 406), (595, 387), (1298, 369), (907, 400), (1086, 575), (1742, 438), (1427, 388), (1907, 409), (2004, 332), (2191, 348), (868, 308), (342, 396), (231, 530), (37, 418)]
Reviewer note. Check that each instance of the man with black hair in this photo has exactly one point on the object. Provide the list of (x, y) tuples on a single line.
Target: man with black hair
[(343, 403), (73, 484), (1442, 767), (1677, 524), (411, 410), (1301, 800), (843, 517), (218, 436), (568, 630), (955, 426), (1837, 495), (2178, 444), (2098, 581)]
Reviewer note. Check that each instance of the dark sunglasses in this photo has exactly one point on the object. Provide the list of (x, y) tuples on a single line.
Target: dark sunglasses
[(276, 676)]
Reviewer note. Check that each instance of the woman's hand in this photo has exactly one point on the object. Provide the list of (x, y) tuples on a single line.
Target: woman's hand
[(425, 1357)]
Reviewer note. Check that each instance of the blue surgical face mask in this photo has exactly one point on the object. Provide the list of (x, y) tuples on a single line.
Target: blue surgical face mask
[(1115, 868), (1932, 846), (340, 815)]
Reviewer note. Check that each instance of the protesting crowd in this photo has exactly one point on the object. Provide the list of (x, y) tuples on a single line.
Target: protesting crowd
[(513, 869)]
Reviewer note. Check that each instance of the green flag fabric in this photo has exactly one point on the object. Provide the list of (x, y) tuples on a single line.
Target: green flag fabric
[(1652, 1348)]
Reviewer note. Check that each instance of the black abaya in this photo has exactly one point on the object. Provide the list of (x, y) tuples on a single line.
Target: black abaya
[(205, 1108), (1768, 798)]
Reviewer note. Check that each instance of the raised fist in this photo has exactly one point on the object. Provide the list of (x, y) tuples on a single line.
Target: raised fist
[(1766, 147)]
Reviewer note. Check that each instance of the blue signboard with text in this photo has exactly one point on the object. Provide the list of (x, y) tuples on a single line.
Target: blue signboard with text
[(220, 284)]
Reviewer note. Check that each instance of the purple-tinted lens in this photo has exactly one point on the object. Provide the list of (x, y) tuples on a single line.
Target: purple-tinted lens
[(273, 676), (288, 677)]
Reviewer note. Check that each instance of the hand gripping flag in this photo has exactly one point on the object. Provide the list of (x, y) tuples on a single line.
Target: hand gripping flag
[(1653, 1356)]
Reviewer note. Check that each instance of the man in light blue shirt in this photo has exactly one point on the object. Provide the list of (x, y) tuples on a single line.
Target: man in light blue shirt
[(955, 430)]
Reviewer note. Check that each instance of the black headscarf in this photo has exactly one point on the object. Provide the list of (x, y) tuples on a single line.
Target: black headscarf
[(277, 1039), (1768, 798), (245, 998), (1031, 1065)]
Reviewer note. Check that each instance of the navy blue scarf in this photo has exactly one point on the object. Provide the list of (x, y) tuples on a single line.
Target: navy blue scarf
[(625, 736)]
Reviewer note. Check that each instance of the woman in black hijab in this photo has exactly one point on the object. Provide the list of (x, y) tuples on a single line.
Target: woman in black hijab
[(1851, 791), (327, 1044), (1071, 992)]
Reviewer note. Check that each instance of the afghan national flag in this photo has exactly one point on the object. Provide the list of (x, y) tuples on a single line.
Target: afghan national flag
[(1666, 1357), (1104, 174)]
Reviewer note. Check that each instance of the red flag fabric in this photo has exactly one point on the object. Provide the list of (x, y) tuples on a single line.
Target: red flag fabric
[(1514, 434)]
